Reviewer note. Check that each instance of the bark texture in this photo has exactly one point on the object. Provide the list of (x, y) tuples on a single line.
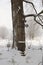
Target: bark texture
[(18, 24)]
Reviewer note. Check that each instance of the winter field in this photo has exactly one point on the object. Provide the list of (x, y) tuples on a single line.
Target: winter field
[(33, 55)]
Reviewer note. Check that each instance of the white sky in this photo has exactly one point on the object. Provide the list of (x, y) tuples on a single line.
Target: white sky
[(5, 14)]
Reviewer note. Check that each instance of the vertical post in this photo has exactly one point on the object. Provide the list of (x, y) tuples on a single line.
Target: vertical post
[(18, 23)]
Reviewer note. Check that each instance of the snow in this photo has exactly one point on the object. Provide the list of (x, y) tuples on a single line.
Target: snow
[(4, 42), (14, 57), (33, 57)]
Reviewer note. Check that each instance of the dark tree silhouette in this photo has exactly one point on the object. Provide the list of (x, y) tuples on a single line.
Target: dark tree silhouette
[(18, 24), (18, 18)]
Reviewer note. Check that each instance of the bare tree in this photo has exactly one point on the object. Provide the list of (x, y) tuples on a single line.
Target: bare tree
[(32, 23), (18, 24), (19, 20)]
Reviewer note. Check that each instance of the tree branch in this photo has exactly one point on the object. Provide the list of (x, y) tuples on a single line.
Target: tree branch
[(32, 5), (34, 14), (37, 21), (40, 12)]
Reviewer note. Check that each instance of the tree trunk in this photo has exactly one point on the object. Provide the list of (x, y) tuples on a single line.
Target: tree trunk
[(18, 23)]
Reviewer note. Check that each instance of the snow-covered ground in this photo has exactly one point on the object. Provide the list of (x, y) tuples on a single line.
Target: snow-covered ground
[(13, 57), (33, 56)]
